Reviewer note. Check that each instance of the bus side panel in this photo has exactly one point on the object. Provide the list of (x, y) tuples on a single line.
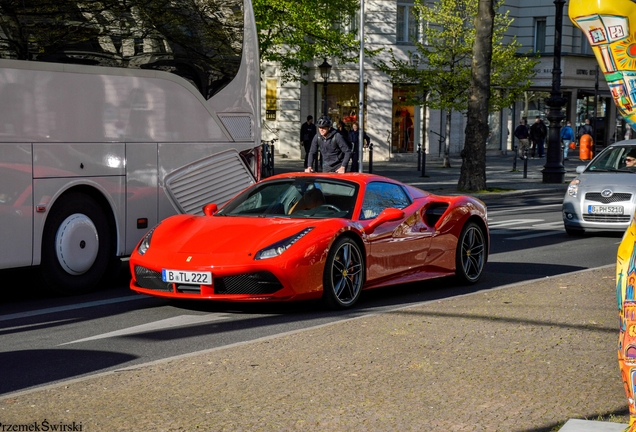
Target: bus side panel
[(47, 191), (141, 190), (78, 159), (16, 205)]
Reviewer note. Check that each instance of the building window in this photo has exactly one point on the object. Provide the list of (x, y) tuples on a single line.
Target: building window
[(350, 24), (585, 45), (408, 28), (539, 35), (342, 102)]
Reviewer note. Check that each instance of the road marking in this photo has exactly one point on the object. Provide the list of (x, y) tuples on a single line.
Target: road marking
[(539, 234), (523, 209), (178, 321), (72, 307), (551, 225), (511, 222)]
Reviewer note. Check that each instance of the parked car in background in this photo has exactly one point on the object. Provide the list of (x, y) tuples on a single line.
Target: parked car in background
[(603, 196)]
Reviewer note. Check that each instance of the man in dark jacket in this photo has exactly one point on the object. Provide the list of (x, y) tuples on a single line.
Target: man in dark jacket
[(307, 133), (586, 129), (522, 135), (538, 132), (335, 151)]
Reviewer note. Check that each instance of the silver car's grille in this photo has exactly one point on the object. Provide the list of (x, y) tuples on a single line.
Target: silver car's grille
[(214, 179), (607, 218), (617, 197)]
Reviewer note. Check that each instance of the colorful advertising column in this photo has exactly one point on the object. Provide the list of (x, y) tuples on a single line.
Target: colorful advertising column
[(610, 27)]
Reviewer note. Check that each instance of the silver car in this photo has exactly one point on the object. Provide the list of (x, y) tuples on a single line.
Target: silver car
[(603, 196)]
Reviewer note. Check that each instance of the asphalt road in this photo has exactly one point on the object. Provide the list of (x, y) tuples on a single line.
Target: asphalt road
[(47, 340)]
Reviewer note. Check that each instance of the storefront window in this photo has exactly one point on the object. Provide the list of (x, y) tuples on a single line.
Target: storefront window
[(585, 108), (342, 102), (402, 133)]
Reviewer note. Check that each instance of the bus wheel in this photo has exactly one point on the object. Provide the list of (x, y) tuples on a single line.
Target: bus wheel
[(76, 245)]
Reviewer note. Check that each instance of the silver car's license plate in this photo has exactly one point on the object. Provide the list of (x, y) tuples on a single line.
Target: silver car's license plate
[(597, 209), (186, 277)]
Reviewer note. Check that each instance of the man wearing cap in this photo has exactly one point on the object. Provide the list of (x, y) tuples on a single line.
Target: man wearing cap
[(333, 148)]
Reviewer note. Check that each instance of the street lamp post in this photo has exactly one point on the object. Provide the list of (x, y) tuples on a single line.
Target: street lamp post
[(325, 70), (554, 171)]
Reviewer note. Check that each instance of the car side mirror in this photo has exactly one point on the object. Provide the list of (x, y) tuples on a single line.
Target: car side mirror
[(580, 169), (388, 215), (210, 209)]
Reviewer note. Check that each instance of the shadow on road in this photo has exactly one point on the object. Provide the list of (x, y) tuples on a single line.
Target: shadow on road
[(24, 369)]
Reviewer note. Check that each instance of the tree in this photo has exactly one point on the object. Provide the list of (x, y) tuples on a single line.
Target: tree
[(473, 172), (293, 33), (447, 51)]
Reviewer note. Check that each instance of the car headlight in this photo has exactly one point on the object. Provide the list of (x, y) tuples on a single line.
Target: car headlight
[(279, 247), (145, 242), (573, 189)]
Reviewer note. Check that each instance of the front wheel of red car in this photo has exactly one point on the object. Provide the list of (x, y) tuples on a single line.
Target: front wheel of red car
[(470, 257), (344, 274)]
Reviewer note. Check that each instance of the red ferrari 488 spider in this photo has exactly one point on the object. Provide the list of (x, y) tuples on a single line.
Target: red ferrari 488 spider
[(301, 236)]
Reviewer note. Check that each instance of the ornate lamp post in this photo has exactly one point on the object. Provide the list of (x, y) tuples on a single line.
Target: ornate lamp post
[(325, 70), (554, 171)]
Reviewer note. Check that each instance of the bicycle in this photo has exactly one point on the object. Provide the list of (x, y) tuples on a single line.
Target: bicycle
[(267, 157)]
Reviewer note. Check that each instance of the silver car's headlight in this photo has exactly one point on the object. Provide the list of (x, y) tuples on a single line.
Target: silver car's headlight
[(279, 247), (145, 242), (573, 188)]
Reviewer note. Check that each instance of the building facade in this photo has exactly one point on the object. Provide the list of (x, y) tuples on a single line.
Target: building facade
[(398, 129)]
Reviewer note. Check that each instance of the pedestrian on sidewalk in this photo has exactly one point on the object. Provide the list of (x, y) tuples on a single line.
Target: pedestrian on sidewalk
[(586, 129), (307, 133), (523, 136), (333, 147), (567, 136), (354, 138), (538, 132)]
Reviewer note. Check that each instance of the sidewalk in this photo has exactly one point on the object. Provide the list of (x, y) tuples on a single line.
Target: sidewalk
[(499, 173), (526, 357)]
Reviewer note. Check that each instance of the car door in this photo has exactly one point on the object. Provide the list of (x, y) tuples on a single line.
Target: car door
[(396, 248)]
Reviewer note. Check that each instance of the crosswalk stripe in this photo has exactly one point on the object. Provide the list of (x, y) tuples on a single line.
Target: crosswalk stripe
[(539, 234), (177, 321), (511, 222)]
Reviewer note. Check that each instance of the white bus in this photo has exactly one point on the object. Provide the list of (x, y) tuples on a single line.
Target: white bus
[(114, 115)]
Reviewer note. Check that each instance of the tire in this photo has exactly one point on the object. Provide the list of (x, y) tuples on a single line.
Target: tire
[(470, 256), (343, 275), (77, 245)]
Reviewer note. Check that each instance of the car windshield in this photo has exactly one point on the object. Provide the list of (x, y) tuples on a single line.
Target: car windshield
[(304, 197), (614, 159)]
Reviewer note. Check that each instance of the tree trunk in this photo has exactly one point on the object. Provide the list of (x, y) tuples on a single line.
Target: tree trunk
[(473, 171)]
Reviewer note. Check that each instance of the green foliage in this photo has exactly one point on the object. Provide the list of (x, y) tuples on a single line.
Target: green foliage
[(293, 33), (446, 54)]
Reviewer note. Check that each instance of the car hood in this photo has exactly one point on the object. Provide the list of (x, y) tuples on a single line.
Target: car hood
[(616, 181), (226, 234)]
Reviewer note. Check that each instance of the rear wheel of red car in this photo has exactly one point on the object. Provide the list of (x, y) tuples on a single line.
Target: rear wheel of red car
[(344, 274), (470, 257)]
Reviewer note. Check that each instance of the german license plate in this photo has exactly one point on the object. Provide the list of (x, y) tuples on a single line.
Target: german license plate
[(597, 209), (186, 277)]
